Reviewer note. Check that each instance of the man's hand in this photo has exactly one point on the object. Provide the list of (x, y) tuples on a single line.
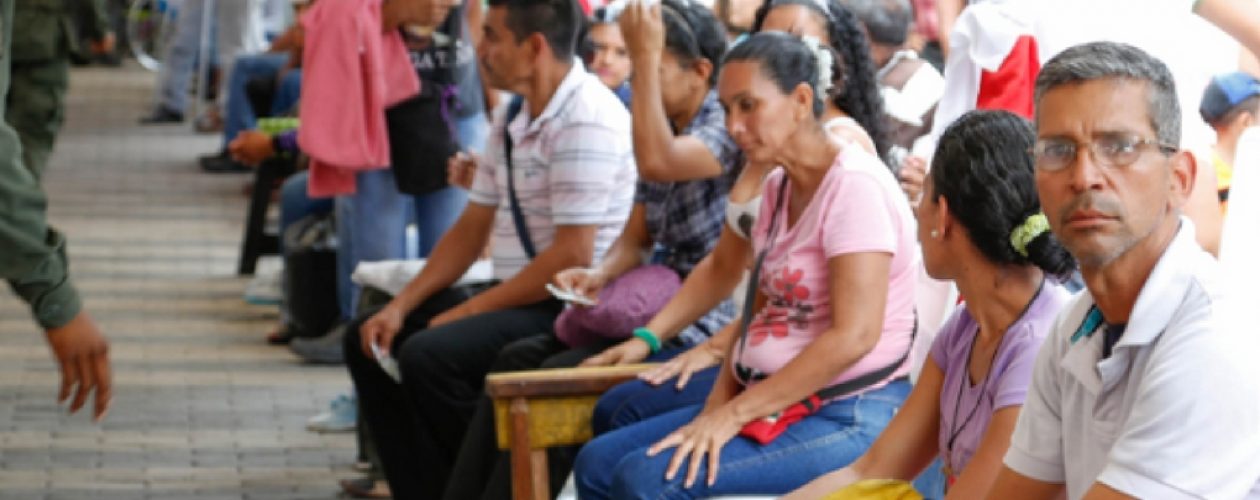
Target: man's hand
[(105, 45), (913, 174), (380, 330), (83, 353), (460, 169), (582, 281), (251, 147)]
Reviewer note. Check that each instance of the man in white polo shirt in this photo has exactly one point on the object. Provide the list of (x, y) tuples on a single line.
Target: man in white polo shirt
[(1141, 391), (553, 191)]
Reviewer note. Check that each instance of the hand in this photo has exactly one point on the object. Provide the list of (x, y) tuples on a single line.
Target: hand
[(105, 45), (460, 169), (913, 174), (83, 353), (628, 352), (684, 365), (380, 330), (582, 281), (706, 435), (642, 29), (453, 314), (251, 147)]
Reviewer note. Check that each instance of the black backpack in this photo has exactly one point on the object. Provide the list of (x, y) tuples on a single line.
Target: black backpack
[(421, 130)]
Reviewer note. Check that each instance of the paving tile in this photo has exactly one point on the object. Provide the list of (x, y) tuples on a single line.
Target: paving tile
[(203, 408)]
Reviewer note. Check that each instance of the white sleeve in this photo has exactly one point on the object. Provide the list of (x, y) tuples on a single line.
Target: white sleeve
[(1036, 449)]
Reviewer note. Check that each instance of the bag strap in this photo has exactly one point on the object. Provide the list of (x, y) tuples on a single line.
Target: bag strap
[(754, 280), (750, 296), (518, 216)]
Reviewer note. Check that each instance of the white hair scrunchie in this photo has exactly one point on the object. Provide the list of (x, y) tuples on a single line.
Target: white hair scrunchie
[(822, 57)]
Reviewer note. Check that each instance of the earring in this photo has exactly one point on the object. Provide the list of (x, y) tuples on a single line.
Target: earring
[(935, 234)]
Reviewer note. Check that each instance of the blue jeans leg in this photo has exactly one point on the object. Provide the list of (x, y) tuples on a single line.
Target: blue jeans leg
[(827, 440), (180, 59), (240, 115), (371, 225), (636, 400), (435, 213), (296, 204), (287, 93)]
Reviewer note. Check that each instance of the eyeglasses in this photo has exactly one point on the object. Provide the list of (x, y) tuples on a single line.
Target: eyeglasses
[(1117, 151)]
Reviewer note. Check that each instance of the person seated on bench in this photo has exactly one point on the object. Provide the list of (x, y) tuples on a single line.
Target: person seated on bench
[(553, 191), (1143, 389), (678, 212), (980, 225), (852, 109), (824, 365)]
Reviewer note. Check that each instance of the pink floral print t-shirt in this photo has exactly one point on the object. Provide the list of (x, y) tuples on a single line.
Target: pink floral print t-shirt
[(858, 208)]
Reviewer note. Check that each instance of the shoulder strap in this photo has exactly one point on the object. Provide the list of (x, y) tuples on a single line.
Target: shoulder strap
[(518, 217), (750, 296)]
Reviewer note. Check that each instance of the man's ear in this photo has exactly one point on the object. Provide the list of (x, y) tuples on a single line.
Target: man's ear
[(538, 46), (1184, 175)]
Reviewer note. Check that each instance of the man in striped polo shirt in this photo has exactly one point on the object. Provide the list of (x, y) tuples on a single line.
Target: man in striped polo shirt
[(552, 192)]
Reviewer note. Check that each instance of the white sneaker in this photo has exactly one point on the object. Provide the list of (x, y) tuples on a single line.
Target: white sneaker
[(265, 288), (341, 416)]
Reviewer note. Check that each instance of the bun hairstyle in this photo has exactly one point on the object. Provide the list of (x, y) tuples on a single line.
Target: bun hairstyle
[(692, 32), (983, 169), (856, 89), (786, 60)]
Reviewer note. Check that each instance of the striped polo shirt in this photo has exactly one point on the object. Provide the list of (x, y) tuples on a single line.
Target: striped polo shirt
[(572, 165)]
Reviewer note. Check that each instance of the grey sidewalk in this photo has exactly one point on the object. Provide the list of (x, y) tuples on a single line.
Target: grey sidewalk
[(204, 408)]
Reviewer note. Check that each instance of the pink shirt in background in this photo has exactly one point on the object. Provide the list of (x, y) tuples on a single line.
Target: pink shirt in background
[(858, 208), (351, 72)]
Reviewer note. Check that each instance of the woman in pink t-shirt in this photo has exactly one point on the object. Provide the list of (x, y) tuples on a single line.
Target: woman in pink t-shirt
[(822, 368), (981, 225)]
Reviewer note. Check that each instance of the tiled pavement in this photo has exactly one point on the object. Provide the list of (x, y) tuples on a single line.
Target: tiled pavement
[(203, 407)]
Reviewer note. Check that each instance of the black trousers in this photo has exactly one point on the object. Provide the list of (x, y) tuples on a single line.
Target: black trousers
[(482, 471), (418, 425)]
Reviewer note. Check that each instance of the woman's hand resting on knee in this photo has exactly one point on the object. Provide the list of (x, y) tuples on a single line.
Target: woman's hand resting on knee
[(685, 365)]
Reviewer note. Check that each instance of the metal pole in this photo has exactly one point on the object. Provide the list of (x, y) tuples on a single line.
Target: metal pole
[(203, 56)]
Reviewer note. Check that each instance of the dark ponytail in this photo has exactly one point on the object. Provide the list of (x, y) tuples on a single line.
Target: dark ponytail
[(856, 89), (984, 170), (692, 32)]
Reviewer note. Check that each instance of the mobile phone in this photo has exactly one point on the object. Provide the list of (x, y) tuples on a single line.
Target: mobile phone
[(569, 295)]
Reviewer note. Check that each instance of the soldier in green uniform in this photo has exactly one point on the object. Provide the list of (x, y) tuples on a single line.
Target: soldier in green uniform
[(33, 261), (45, 35)]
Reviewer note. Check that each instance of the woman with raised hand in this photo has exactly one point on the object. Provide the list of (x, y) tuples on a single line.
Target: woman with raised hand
[(980, 225), (679, 136), (851, 107), (821, 364)]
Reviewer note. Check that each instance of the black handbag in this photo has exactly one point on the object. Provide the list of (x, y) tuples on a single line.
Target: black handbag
[(310, 275)]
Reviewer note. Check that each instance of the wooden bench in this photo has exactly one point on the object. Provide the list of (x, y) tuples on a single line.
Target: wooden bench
[(540, 409)]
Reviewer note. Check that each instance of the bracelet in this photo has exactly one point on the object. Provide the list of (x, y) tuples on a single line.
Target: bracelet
[(653, 342)]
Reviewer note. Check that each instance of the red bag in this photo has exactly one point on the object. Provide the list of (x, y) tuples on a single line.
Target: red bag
[(764, 430)]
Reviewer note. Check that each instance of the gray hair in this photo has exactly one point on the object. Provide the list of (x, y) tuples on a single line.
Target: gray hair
[(887, 21), (1111, 60)]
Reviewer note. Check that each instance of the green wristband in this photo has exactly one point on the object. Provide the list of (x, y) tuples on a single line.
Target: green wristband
[(653, 342)]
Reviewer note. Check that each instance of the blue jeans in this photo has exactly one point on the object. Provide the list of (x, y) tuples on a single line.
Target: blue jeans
[(240, 115), (636, 400), (371, 226), (296, 204), (616, 464), (288, 92)]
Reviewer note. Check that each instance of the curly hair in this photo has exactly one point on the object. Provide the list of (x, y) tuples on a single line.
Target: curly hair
[(856, 89), (983, 169)]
